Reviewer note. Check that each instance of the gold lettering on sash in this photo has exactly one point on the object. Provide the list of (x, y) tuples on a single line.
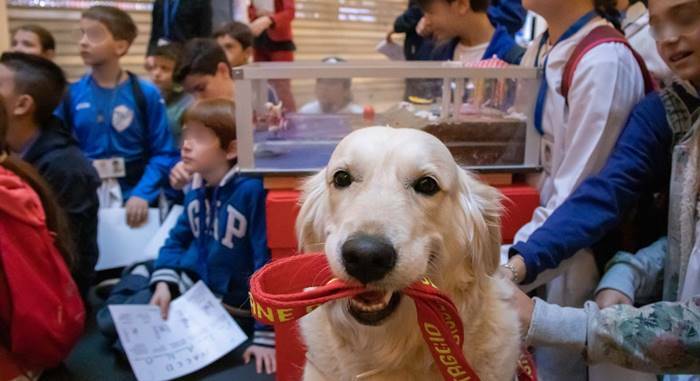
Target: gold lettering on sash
[(285, 314)]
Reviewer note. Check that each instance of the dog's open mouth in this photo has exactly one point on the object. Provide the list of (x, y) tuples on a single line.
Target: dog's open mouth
[(372, 307)]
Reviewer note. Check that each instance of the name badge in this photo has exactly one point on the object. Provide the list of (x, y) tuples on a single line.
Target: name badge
[(547, 153), (113, 168)]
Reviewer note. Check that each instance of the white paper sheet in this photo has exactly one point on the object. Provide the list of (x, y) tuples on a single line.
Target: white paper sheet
[(392, 50), (119, 244), (198, 332), (163, 232)]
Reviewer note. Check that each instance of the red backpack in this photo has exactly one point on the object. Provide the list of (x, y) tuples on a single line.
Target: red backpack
[(601, 35), (41, 311)]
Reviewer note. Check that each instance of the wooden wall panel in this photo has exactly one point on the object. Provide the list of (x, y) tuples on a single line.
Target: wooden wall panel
[(64, 23), (346, 28), (4, 31)]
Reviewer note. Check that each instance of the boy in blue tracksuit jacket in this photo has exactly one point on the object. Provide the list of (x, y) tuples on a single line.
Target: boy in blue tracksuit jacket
[(148, 151), (507, 17), (116, 116)]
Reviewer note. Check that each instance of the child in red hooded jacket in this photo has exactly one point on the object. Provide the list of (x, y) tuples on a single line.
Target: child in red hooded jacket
[(41, 311)]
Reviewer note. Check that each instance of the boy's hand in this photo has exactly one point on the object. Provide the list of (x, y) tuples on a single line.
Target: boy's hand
[(161, 298), (423, 28), (609, 297), (263, 356), (260, 24), (179, 176), (136, 211)]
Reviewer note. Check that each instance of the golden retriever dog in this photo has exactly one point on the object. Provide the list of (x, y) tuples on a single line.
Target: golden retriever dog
[(391, 208)]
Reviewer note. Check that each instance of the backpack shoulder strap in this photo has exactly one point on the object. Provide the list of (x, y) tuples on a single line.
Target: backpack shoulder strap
[(139, 97), (67, 110), (598, 36), (142, 107)]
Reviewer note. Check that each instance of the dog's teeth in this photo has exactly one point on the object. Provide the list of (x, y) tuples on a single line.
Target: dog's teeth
[(387, 297), (367, 308)]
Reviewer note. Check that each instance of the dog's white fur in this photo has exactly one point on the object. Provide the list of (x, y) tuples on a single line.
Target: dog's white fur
[(458, 228)]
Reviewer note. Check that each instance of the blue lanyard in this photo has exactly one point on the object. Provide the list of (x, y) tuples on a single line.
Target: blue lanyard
[(206, 229), (542, 93), (169, 16)]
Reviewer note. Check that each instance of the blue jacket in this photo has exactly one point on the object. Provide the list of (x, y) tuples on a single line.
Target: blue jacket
[(508, 17), (415, 46), (231, 248), (639, 165), (56, 156), (149, 151), (508, 13)]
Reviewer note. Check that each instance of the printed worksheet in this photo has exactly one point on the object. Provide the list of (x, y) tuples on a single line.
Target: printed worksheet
[(198, 332)]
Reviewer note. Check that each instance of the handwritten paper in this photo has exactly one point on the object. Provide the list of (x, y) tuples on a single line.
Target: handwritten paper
[(198, 332)]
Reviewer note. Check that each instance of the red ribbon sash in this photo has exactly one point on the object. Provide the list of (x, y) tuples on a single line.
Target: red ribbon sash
[(289, 288)]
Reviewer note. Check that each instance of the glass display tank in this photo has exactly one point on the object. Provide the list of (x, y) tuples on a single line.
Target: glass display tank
[(482, 114)]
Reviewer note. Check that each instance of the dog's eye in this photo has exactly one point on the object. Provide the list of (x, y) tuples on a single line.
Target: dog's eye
[(426, 185), (342, 179)]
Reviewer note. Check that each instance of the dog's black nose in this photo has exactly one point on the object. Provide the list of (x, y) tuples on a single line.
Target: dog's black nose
[(368, 258)]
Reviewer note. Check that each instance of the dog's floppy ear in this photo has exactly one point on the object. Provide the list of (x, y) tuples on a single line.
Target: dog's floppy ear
[(312, 215), (481, 206)]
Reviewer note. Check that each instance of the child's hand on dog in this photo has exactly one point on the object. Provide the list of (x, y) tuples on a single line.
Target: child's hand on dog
[(161, 298), (610, 297), (525, 306), (264, 356)]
